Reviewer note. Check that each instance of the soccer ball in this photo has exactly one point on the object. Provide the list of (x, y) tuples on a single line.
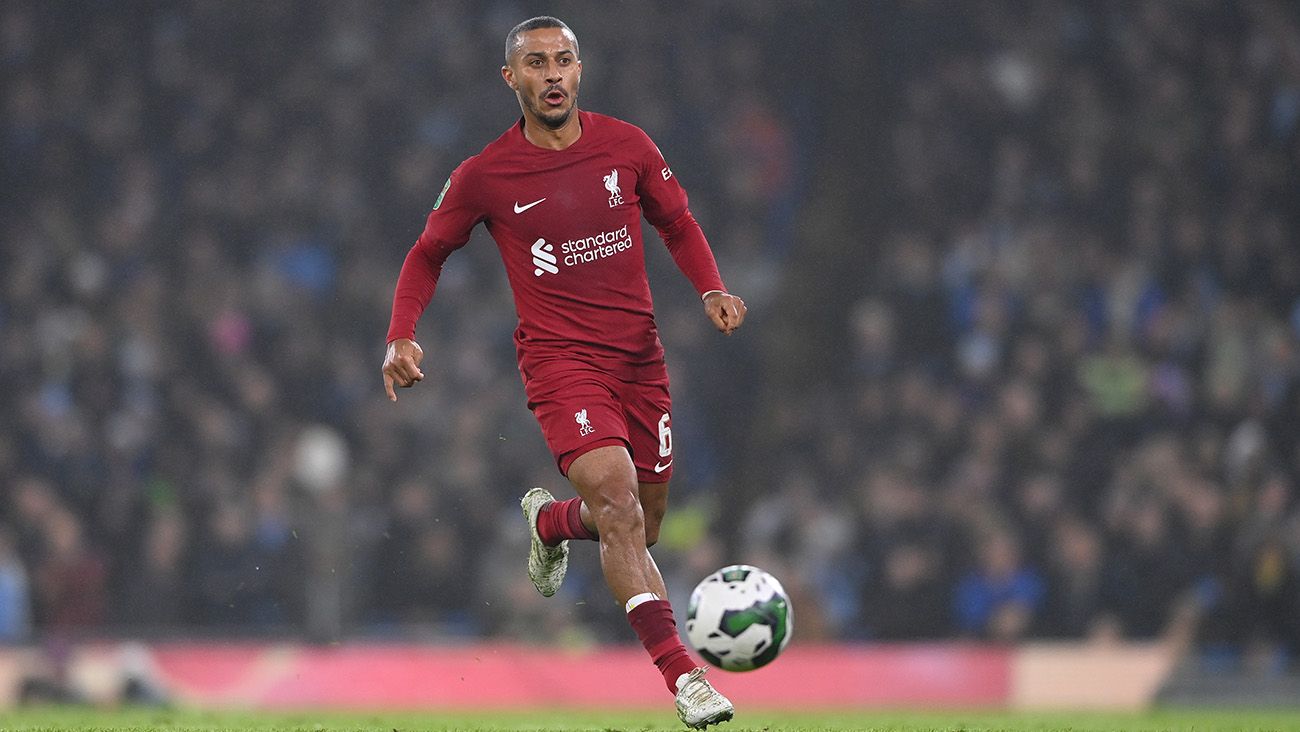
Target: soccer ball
[(739, 618)]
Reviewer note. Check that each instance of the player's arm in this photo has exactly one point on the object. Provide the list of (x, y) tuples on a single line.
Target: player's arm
[(446, 230), (664, 202), (690, 250)]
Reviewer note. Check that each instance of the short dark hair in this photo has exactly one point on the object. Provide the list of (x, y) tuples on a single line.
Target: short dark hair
[(541, 21)]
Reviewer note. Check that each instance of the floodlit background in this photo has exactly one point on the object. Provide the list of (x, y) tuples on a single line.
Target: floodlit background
[(1022, 359)]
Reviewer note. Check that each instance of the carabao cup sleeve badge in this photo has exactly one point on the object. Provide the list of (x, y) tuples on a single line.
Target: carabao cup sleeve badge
[(445, 186)]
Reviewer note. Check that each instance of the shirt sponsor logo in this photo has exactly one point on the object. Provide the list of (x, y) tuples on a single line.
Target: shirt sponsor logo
[(543, 259), (611, 185), (591, 248), (666, 173), (582, 250)]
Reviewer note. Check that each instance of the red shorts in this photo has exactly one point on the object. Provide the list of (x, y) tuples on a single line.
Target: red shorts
[(581, 410)]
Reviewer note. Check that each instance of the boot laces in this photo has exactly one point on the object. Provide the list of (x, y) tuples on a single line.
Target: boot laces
[(698, 691)]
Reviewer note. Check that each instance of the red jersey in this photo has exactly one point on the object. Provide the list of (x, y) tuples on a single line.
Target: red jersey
[(568, 226)]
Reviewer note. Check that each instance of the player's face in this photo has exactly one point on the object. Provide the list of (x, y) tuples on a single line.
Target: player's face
[(544, 71)]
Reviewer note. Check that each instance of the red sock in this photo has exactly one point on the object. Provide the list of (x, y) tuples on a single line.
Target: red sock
[(562, 520), (654, 624)]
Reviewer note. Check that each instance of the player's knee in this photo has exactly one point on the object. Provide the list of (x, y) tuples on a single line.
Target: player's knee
[(616, 510)]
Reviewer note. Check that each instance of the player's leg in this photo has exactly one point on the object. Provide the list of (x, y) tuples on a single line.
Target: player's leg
[(698, 703), (554, 522), (577, 413), (648, 410), (605, 479), (558, 521), (571, 519), (654, 504), (589, 427), (628, 512)]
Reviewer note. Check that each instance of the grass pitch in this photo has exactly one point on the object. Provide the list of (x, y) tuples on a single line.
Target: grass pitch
[(50, 719)]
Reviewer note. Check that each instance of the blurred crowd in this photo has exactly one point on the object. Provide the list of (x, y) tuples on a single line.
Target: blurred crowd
[(1066, 386), (1023, 357)]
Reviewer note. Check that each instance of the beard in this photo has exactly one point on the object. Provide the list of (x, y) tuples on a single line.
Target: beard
[(553, 118)]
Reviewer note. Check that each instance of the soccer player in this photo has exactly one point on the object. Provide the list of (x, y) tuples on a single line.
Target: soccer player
[(562, 193)]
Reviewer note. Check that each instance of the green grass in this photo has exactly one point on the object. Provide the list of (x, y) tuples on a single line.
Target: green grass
[(551, 720)]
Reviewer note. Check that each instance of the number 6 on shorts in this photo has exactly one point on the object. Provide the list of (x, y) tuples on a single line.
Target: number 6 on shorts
[(665, 437)]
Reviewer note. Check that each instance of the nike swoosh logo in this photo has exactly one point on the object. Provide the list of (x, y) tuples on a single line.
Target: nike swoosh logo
[(661, 468), (521, 209)]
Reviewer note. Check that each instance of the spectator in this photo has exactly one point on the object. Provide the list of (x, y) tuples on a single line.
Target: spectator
[(1076, 603), (1000, 597), (156, 595), (909, 599), (70, 579), (15, 597)]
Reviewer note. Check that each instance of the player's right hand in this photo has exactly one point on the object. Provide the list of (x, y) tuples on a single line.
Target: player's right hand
[(402, 365)]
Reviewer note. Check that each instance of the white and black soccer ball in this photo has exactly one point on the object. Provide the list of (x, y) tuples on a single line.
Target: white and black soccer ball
[(739, 618)]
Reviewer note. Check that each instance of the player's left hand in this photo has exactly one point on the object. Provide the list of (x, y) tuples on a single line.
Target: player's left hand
[(725, 310)]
